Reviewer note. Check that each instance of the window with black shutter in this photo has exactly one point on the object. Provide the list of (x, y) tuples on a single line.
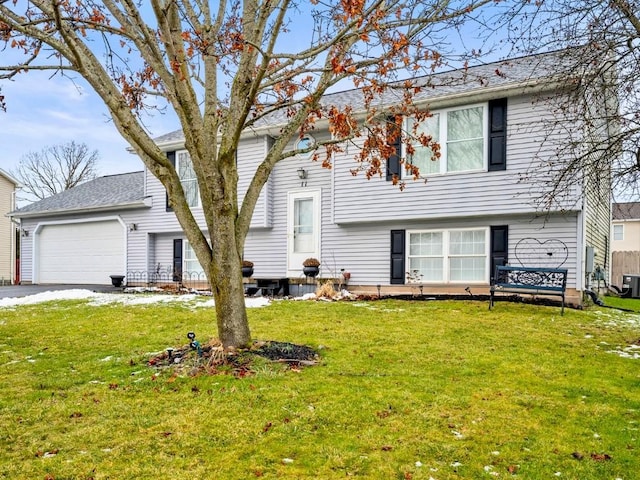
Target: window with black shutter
[(498, 134), (171, 156), (397, 257), (394, 137), (177, 260), (499, 248)]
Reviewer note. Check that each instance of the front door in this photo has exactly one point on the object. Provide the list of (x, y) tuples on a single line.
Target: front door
[(303, 229)]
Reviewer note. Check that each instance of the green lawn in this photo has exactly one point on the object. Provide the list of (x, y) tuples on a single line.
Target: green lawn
[(441, 390)]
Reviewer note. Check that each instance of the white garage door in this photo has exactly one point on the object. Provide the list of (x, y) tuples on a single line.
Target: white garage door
[(81, 252)]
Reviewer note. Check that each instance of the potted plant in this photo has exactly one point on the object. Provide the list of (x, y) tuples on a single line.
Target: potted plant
[(247, 268), (116, 280), (311, 267)]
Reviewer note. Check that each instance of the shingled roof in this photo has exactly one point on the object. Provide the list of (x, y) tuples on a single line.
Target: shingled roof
[(121, 191), (626, 211), (498, 76)]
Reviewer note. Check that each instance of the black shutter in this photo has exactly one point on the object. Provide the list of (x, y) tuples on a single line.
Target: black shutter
[(171, 156), (499, 248), (397, 257), (177, 260), (394, 137), (498, 134)]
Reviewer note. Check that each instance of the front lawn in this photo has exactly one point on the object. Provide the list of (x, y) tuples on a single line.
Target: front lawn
[(404, 390)]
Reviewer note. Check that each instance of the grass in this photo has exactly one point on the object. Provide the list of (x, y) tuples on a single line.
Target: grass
[(405, 390)]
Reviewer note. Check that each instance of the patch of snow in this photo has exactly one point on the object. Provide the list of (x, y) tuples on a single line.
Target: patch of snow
[(100, 299)]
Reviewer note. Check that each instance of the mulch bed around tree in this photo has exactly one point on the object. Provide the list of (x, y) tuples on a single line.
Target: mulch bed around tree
[(194, 359)]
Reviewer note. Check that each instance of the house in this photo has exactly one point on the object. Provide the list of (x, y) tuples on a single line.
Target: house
[(477, 210), (625, 243), (8, 186)]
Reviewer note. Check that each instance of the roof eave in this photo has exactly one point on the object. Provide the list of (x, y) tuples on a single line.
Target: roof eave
[(479, 94), (144, 203)]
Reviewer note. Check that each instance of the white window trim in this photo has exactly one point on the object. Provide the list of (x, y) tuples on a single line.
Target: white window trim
[(178, 153), (446, 235), (443, 144)]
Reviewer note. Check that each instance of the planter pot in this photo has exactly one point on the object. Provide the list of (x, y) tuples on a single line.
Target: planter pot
[(311, 271), (247, 271), (116, 280)]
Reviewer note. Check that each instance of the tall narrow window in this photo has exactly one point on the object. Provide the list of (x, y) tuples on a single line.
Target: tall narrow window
[(461, 134), (191, 267), (188, 178), (465, 139)]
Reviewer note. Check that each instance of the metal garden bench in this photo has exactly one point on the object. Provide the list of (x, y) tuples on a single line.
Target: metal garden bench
[(530, 281)]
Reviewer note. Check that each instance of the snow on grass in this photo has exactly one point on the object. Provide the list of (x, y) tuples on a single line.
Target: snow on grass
[(99, 299)]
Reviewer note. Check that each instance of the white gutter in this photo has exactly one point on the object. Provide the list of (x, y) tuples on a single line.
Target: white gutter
[(145, 203)]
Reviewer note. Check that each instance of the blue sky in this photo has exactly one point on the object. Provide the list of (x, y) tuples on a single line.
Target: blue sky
[(44, 112)]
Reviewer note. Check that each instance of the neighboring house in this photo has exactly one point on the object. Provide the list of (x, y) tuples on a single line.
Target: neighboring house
[(476, 211), (625, 243), (8, 186)]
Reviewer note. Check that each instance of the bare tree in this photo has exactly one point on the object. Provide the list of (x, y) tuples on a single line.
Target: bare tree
[(228, 67), (602, 143), (56, 168)]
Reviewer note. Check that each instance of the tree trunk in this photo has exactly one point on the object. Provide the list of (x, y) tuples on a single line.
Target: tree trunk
[(231, 315), (225, 274)]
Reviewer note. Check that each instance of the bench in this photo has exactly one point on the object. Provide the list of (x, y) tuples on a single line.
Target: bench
[(529, 280)]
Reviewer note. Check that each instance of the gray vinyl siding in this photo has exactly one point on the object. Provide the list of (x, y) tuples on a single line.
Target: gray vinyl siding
[(364, 249), (458, 194), (267, 248)]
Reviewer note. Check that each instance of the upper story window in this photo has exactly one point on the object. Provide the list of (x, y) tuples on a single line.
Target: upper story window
[(462, 136), (618, 232), (188, 178)]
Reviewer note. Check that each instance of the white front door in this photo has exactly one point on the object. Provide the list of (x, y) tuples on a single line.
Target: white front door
[(303, 229)]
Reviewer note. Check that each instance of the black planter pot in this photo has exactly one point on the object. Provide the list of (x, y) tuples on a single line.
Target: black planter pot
[(311, 271), (247, 271), (116, 280)]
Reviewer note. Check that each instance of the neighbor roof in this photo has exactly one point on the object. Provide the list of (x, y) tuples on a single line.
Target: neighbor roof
[(626, 211), (121, 191), (487, 78)]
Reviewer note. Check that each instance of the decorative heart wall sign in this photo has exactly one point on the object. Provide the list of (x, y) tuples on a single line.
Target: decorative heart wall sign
[(551, 253)]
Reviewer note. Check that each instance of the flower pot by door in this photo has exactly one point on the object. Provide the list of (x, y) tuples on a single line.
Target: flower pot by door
[(116, 280), (247, 271), (311, 271)]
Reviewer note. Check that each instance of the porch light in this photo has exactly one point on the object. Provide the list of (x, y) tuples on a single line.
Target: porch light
[(302, 173), (25, 233)]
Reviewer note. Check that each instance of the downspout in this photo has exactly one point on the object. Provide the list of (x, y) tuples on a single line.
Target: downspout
[(12, 241)]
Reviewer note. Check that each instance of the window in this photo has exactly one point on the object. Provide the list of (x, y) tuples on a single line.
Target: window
[(618, 232), (188, 178), (448, 256), (306, 142), (191, 268), (461, 134)]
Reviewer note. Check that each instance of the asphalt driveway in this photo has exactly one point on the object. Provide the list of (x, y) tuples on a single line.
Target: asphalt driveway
[(12, 291)]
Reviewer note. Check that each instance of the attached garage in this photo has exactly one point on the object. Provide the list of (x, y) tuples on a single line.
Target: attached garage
[(80, 253)]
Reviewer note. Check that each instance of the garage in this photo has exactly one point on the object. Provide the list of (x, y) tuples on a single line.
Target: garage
[(80, 253)]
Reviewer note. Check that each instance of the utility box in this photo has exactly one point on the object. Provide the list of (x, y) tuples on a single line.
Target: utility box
[(631, 286)]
